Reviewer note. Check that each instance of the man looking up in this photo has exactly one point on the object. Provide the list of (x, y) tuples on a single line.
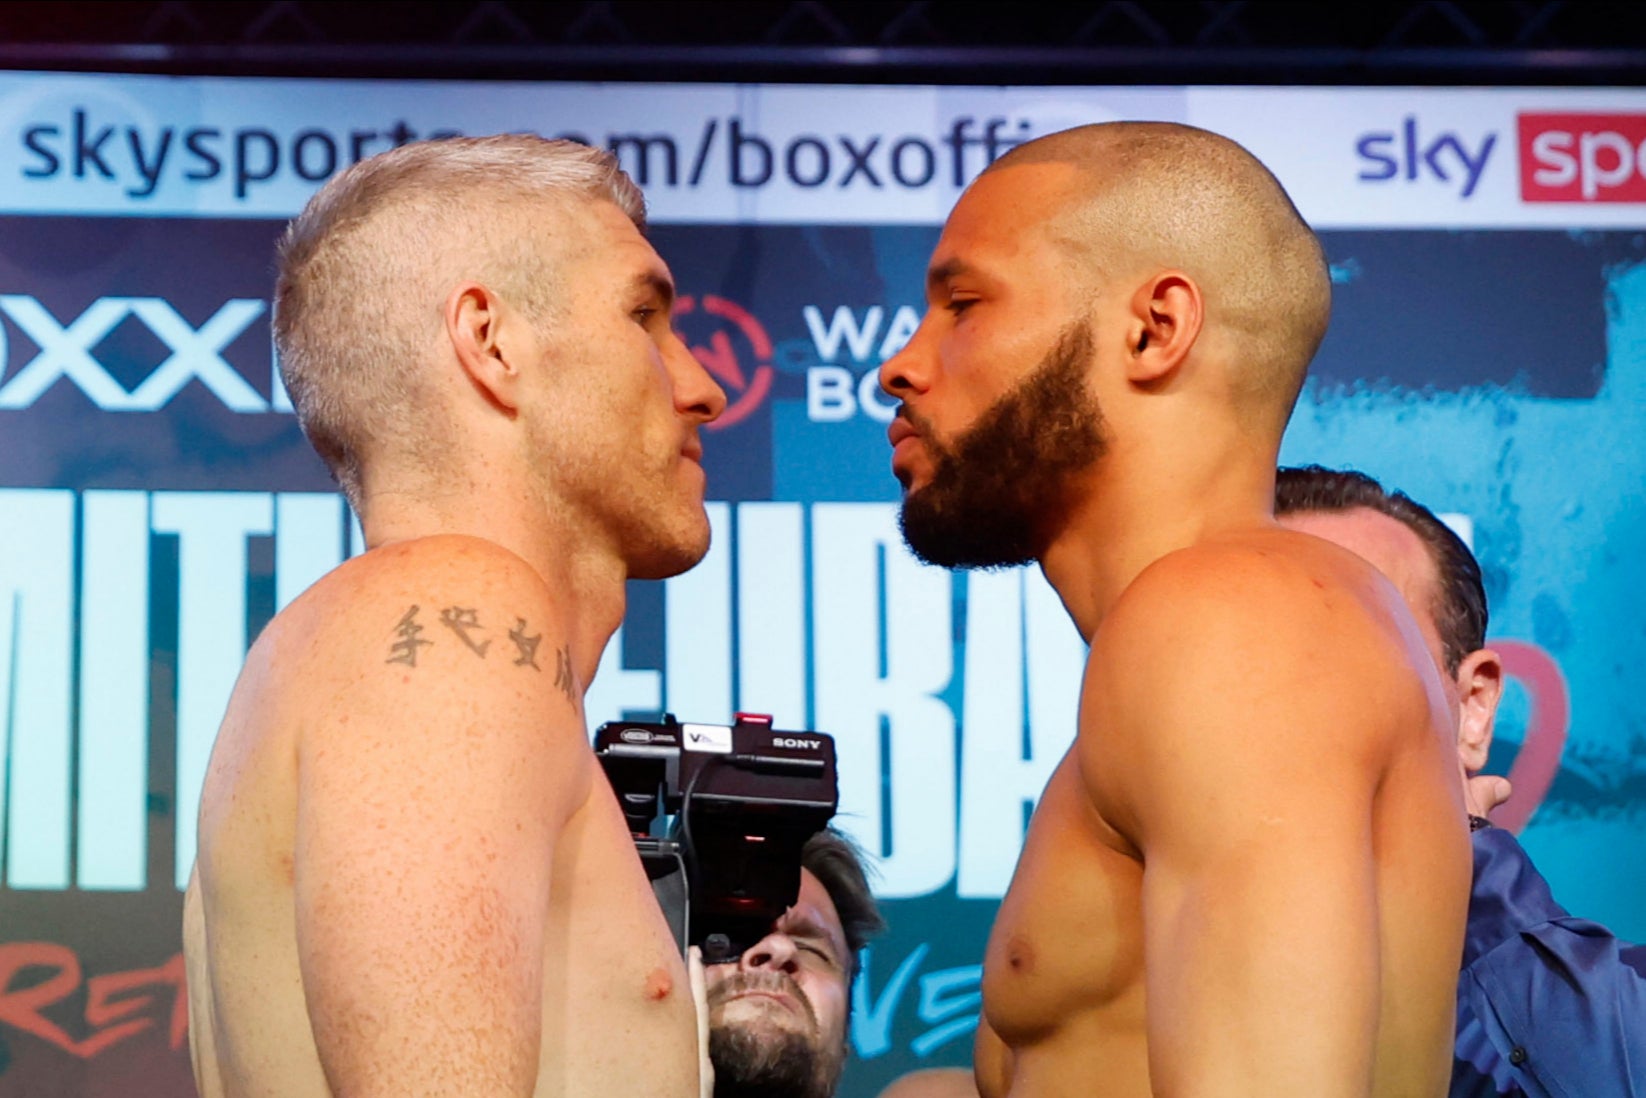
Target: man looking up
[(1547, 1004), (412, 877), (1207, 902), (778, 1014)]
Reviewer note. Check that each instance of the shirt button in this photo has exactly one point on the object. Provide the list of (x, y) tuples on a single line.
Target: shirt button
[(1517, 1056)]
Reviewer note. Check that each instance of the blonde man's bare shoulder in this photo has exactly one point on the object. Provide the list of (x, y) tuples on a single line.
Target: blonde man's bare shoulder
[(421, 605)]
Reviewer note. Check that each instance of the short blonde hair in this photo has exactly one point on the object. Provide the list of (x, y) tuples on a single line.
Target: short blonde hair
[(365, 269)]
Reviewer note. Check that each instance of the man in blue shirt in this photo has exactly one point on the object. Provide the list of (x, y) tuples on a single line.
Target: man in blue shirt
[(1548, 1004)]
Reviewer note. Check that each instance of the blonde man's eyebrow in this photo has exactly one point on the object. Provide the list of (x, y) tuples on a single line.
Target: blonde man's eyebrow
[(655, 283)]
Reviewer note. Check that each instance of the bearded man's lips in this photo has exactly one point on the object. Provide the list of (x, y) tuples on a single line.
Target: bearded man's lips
[(788, 1001), (906, 442), (760, 986)]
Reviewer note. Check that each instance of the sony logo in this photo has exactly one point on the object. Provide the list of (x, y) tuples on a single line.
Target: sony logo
[(803, 745)]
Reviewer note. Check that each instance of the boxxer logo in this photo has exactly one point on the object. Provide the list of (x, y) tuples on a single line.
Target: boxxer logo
[(67, 352)]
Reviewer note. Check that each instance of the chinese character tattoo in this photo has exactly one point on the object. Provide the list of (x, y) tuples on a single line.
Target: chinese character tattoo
[(565, 680), (465, 622), (526, 646), (405, 649)]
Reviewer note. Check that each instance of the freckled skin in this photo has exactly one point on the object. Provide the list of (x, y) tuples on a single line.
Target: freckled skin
[(257, 875), (463, 913)]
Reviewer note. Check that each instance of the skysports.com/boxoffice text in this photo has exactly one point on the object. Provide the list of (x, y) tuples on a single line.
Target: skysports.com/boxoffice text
[(721, 152)]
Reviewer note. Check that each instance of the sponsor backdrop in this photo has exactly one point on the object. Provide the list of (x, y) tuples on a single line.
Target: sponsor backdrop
[(158, 504)]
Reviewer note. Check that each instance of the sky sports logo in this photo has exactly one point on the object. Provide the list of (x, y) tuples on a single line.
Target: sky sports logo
[(1582, 157), (1565, 157)]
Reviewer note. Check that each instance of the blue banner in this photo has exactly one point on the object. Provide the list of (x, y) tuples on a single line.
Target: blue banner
[(158, 503)]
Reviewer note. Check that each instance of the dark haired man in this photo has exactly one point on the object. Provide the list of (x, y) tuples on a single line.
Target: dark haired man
[(1547, 1004), (1119, 321), (778, 1015)]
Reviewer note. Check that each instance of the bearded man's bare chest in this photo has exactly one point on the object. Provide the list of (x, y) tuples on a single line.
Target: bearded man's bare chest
[(1067, 945)]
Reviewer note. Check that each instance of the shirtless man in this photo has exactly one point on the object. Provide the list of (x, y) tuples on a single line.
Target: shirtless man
[(412, 876), (1207, 902)]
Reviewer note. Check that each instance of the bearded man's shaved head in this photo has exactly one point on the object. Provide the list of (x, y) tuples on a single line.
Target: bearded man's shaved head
[(1145, 196)]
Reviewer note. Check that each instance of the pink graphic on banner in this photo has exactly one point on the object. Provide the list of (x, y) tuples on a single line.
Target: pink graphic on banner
[(744, 392), (1535, 766)]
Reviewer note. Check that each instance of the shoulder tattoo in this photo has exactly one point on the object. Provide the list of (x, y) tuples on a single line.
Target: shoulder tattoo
[(465, 625), (525, 646), (407, 639), (465, 622), (565, 679)]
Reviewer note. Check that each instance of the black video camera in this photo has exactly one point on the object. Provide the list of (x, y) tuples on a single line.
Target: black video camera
[(719, 814)]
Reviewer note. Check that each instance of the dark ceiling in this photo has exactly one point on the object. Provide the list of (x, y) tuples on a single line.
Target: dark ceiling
[(1117, 41)]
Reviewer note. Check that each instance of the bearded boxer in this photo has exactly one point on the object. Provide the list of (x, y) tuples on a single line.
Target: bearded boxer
[(1248, 876)]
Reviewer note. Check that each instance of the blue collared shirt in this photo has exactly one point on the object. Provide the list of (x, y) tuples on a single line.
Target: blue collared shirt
[(1548, 1006)]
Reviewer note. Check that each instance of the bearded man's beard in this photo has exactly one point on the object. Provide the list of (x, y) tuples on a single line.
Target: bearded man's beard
[(757, 1063), (754, 1060), (998, 487)]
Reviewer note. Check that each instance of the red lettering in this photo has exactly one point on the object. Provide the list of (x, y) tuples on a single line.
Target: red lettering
[(175, 972), (112, 1011), (1583, 157), (22, 1008)]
